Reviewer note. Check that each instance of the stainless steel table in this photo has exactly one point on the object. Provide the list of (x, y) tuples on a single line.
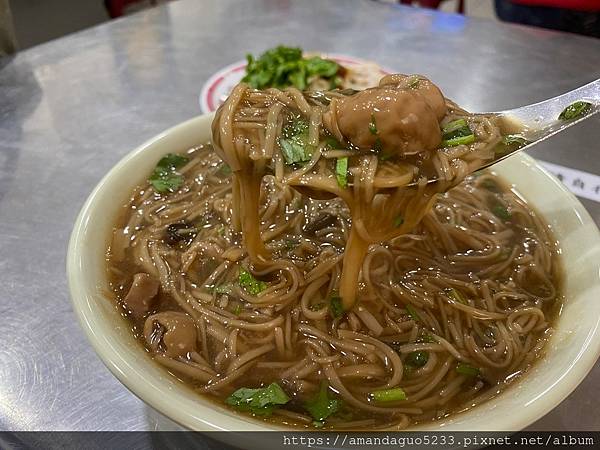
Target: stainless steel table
[(71, 108)]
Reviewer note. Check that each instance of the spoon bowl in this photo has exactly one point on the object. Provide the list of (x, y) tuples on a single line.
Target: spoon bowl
[(540, 121)]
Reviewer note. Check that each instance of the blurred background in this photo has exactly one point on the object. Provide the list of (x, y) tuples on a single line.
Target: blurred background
[(25, 23)]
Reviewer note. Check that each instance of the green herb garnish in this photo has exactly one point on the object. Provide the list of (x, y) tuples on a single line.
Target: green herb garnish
[(341, 172), (427, 338), (294, 150), (335, 83), (412, 312), (372, 125), (467, 369), (290, 244), (417, 359), (335, 307), (461, 140), (261, 401), (317, 306), (385, 156), (237, 310), (378, 145), (164, 178), (294, 143), (514, 140), (224, 170), (332, 143), (455, 295), (458, 127), (413, 81), (295, 127), (171, 161), (323, 67), (388, 395), (283, 67), (226, 288), (322, 405), (398, 221), (501, 212), (490, 185), (456, 133), (575, 110), (249, 283)]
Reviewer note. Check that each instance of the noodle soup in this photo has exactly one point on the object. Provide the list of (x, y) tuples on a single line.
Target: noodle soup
[(446, 315)]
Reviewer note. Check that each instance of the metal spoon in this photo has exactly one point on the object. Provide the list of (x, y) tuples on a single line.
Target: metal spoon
[(540, 121)]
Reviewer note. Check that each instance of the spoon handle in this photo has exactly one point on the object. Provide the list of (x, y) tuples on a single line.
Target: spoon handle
[(540, 121), (542, 117)]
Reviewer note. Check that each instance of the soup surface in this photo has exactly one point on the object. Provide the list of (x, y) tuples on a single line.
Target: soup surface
[(445, 317)]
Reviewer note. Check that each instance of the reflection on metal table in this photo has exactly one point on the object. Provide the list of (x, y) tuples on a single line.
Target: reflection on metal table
[(71, 108)]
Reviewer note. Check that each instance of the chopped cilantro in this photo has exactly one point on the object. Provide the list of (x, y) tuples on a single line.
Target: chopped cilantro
[(223, 289), (261, 401), (398, 221), (456, 295), (467, 369), (413, 81), (322, 405), (335, 307), (294, 143), (458, 127), (317, 306), (490, 185), (249, 283), (335, 83), (412, 312), (456, 133), (372, 125), (515, 140), (332, 143), (341, 172), (290, 244), (417, 359), (282, 67), (224, 170), (501, 212), (171, 161), (385, 156), (164, 178), (461, 140), (389, 395), (378, 146), (575, 110)]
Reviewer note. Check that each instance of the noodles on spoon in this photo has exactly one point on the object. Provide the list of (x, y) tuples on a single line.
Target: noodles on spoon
[(365, 148)]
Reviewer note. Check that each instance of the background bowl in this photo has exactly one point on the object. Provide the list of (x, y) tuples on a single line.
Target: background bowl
[(570, 354)]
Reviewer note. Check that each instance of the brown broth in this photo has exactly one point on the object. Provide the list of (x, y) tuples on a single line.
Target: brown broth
[(422, 262)]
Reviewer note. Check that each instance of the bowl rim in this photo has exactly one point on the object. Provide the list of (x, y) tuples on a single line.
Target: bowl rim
[(110, 355)]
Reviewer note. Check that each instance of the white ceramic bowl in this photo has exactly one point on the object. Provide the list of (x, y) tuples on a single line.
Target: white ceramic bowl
[(570, 354)]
